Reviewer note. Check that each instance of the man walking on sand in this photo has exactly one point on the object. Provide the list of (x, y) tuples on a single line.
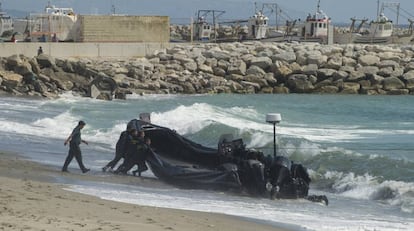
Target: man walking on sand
[(74, 141)]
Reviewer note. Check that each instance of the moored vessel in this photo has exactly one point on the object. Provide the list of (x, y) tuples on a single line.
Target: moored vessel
[(54, 24), (6, 24)]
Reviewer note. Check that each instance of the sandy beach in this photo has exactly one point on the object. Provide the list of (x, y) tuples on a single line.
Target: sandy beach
[(32, 200)]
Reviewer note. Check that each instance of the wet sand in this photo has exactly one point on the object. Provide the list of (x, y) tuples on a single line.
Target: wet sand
[(30, 199)]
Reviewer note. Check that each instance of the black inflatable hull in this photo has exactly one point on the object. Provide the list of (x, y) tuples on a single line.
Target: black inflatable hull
[(182, 162), (179, 161)]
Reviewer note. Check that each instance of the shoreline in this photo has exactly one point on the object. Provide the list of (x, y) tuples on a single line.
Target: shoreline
[(32, 200)]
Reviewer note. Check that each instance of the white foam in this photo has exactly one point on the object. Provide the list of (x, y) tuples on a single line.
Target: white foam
[(339, 215), (259, 140), (183, 119), (368, 187), (108, 136), (191, 119), (61, 126)]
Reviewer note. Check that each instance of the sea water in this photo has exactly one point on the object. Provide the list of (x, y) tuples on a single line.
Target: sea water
[(359, 150)]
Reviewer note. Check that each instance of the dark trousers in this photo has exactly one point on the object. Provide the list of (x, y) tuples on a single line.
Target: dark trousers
[(131, 161), (74, 151), (113, 162), (140, 164)]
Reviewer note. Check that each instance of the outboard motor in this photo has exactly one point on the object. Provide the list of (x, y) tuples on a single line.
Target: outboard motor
[(252, 176), (301, 177), (283, 161), (146, 117), (250, 169), (279, 176), (230, 150), (285, 183)]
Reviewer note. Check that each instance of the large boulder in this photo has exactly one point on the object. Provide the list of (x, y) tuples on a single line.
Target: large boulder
[(325, 73), (334, 62), (250, 85), (392, 83), (356, 76), (350, 88), (317, 59), (205, 69), (219, 71), (191, 66), (23, 68), (13, 61), (409, 79), (280, 69), (368, 70), (45, 61), (262, 62), (369, 60), (255, 71), (281, 90), (237, 67), (287, 56), (300, 83), (102, 88), (234, 86), (11, 80), (35, 66), (388, 63)]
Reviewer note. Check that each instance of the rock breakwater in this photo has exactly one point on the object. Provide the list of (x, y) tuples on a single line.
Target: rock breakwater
[(248, 67)]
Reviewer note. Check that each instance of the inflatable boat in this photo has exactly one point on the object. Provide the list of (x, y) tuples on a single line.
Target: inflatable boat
[(177, 160)]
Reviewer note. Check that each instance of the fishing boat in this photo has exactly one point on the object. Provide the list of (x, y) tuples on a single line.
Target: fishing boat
[(204, 30), (315, 28), (381, 30), (258, 26), (6, 24), (54, 24)]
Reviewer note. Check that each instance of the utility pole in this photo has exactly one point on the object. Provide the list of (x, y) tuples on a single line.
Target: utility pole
[(274, 7)]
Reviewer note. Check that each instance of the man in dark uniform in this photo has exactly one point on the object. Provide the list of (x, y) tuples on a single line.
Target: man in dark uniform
[(120, 149), (141, 155), (134, 154), (130, 144), (74, 141)]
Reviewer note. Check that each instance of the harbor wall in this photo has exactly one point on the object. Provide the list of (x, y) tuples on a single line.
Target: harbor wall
[(104, 28), (82, 49)]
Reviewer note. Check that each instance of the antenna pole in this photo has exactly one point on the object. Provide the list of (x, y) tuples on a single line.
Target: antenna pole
[(378, 8)]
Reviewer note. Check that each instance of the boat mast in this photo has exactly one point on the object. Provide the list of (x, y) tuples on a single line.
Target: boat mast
[(113, 9), (378, 9), (318, 8)]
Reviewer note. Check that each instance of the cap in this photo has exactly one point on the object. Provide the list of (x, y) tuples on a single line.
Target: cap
[(81, 122)]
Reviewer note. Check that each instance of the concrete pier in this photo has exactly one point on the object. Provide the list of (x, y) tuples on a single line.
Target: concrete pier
[(69, 49)]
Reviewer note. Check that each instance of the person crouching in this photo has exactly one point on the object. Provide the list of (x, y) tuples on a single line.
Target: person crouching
[(135, 153)]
